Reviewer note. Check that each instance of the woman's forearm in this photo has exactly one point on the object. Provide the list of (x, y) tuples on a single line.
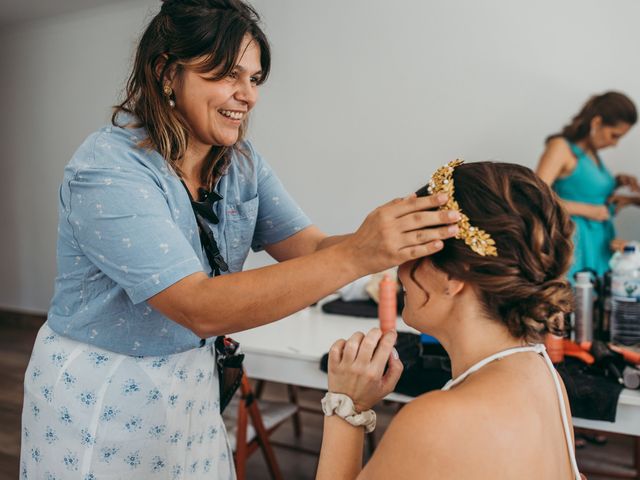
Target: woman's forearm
[(581, 209), (333, 240), (397, 232), (243, 300), (341, 452)]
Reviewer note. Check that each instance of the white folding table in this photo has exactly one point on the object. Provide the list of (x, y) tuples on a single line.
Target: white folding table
[(289, 351)]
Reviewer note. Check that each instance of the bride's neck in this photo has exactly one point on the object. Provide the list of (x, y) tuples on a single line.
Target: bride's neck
[(469, 337)]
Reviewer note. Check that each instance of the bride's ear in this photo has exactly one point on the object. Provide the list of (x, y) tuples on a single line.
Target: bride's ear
[(454, 287)]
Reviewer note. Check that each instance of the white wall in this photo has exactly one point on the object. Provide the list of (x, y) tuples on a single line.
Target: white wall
[(59, 79), (366, 98)]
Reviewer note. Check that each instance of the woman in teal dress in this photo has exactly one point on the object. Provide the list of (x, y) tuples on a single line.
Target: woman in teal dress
[(572, 166)]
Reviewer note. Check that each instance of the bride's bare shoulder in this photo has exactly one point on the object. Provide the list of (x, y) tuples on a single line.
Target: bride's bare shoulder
[(447, 417), (420, 439), (433, 414)]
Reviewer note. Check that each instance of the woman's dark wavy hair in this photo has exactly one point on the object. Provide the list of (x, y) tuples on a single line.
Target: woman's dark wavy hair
[(524, 286), (612, 107), (209, 31)]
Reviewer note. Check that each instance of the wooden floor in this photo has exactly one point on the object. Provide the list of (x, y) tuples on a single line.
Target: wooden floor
[(15, 344), (16, 341)]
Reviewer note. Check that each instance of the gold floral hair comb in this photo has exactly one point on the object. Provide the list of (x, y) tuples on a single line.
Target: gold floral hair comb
[(442, 182)]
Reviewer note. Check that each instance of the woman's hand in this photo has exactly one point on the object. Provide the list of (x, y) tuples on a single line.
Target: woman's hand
[(356, 367), (621, 201), (617, 244), (629, 181), (599, 213), (400, 231)]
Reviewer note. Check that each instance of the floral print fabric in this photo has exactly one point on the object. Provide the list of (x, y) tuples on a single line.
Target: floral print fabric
[(91, 414)]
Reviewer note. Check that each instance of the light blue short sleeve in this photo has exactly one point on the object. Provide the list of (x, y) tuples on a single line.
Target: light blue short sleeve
[(279, 216), (121, 221)]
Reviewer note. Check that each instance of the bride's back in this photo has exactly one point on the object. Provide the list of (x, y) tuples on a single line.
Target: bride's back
[(511, 422), (502, 423)]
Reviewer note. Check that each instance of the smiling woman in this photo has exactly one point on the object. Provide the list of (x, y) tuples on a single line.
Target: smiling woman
[(210, 80), (157, 213), (215, 108)]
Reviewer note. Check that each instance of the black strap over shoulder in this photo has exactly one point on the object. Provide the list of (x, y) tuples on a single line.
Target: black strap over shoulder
[(203, 209), (228, 357)]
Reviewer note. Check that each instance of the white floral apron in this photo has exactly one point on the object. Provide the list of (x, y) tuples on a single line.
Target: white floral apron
[(91, 414)]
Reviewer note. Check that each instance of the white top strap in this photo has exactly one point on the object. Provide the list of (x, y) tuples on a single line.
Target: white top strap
[(504, 353), (563, 412), (540, 349)]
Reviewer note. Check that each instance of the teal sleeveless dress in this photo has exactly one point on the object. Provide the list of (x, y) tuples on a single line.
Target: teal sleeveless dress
[(588, 183)]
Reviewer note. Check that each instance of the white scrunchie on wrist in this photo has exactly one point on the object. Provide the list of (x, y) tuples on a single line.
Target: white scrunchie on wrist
[(341, 405)]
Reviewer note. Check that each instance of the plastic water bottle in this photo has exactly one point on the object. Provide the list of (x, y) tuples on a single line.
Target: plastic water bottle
[(583, 315), (625, 296)]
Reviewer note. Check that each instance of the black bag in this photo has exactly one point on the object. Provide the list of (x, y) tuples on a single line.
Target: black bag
[(426, 366), (359, 308), (228, 358), (230, 371)]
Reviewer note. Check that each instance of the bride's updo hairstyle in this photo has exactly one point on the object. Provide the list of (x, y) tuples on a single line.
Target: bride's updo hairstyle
[(524, 286)]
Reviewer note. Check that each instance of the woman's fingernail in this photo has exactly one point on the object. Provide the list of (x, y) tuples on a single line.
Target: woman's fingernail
[(394, 352), (443, 197), (453, 215), (453, 229), (437, 244)]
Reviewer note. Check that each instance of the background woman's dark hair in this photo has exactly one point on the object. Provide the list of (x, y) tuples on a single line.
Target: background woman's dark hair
[(613, 107), (210, 31), (524, 286)]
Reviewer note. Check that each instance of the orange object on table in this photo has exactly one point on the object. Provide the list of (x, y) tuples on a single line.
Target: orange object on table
[(629, 355), (554, 346), (387, 304), (572, 349)]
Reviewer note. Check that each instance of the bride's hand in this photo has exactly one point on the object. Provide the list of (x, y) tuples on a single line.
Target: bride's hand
[(356, 367)]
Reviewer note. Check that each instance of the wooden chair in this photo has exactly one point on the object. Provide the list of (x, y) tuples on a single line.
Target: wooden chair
[(249, 424), (292, 393)]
